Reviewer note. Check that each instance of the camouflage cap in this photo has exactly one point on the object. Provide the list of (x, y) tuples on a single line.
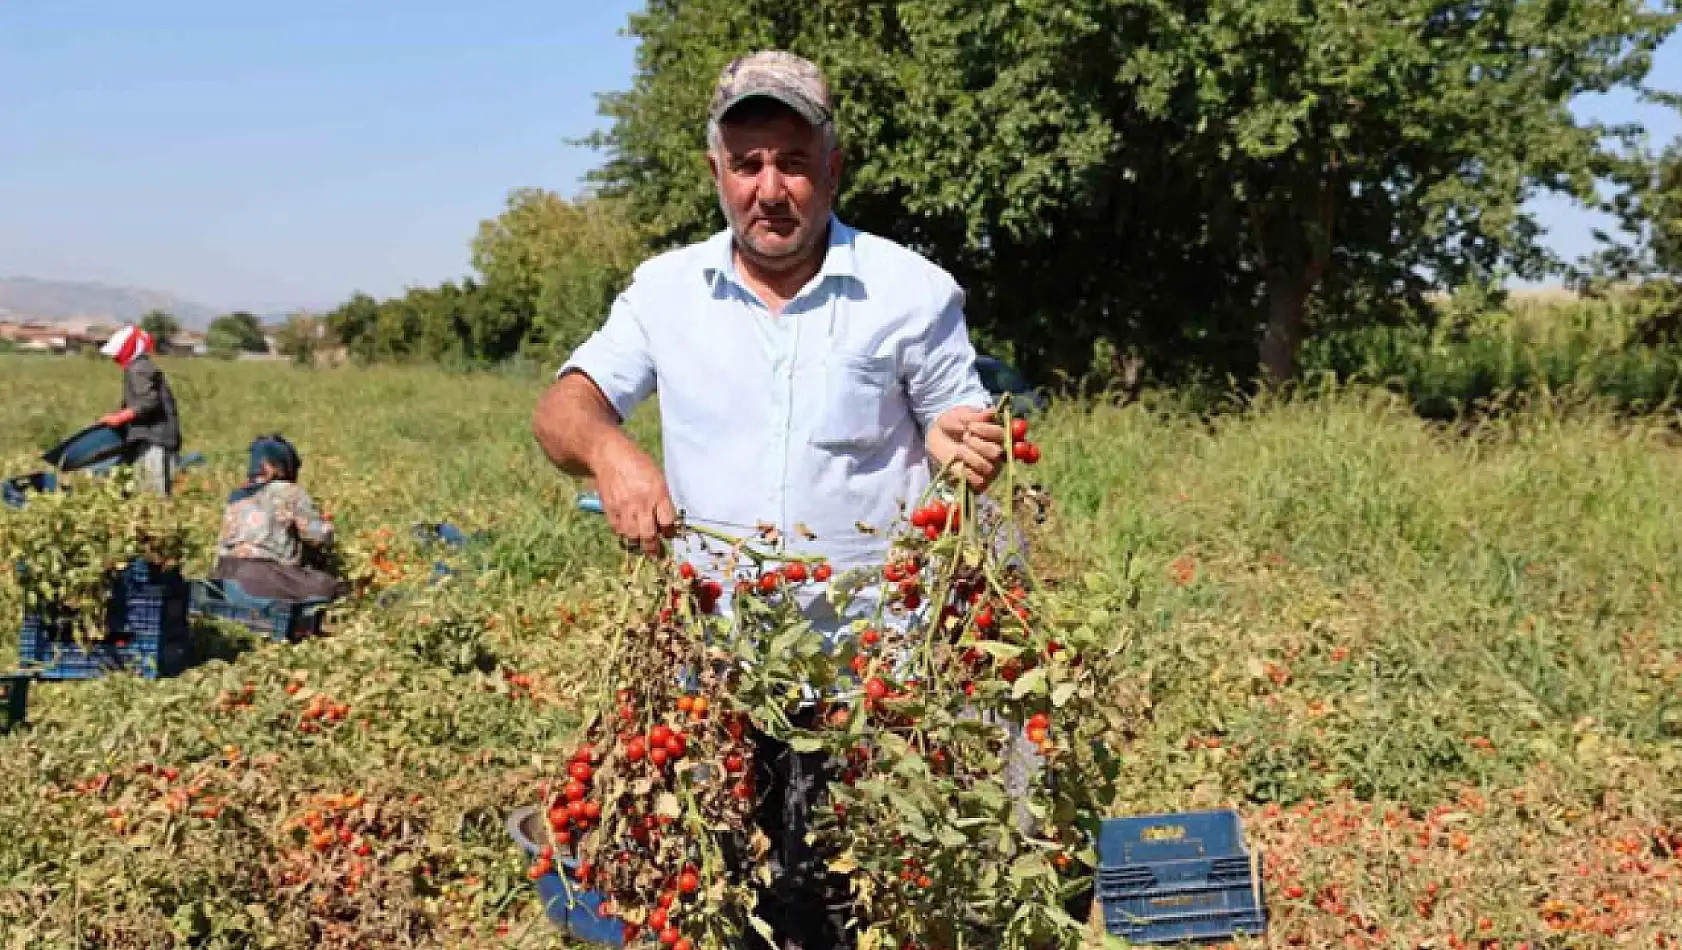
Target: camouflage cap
[(785, 77)]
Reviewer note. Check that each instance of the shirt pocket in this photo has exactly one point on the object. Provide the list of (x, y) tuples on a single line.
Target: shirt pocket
[(857, 401)]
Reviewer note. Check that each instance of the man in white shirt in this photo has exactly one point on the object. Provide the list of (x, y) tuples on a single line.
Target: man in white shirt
[(808, 375)]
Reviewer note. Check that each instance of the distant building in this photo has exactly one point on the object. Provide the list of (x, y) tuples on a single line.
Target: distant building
[(81, 334), (85, 333), (35, 336), (186, 343)]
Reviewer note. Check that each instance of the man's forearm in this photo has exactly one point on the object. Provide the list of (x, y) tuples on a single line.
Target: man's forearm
[(573, 422)]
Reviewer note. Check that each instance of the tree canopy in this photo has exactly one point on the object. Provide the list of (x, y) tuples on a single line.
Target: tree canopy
[(1192, 189), (237, 332), (1201, 186), (162, 325), (548, 270)]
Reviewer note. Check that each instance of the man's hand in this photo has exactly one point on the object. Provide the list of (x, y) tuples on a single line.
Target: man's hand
[(121, 417), (634, 495), (579, 431), (973, 439)]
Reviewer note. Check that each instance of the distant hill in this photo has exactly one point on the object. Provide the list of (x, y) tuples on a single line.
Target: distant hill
[(64, 299)]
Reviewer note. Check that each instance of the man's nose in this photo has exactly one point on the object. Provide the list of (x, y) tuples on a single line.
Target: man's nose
[(773, 187)]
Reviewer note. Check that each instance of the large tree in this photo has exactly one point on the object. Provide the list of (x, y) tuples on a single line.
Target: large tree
[(1646, 205), (353, 323), (162, 325), (237, 332), (301, 337), (1199, 184), (551, 269)]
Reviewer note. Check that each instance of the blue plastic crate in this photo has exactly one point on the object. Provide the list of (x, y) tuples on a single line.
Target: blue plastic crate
[(1177, 877), (573, 909), (279, 620), (15, 491), (428, 533), (146, 632)]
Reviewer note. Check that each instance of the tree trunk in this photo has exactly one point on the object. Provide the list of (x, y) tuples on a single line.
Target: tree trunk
[(1287, 296), (1294, 264), (1127, 368)]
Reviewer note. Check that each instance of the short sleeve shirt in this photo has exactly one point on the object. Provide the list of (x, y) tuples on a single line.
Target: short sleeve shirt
[(812, 420)]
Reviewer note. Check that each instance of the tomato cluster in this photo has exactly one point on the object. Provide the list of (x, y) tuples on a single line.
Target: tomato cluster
[(665, 763), (947, 701), (917, 707), (772, 579), (1021, 449)]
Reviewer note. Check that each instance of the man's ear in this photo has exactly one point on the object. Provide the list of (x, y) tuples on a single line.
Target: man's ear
[(835, 166), (712, 164)]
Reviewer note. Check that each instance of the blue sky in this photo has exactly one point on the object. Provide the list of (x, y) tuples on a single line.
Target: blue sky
[(279, 155)]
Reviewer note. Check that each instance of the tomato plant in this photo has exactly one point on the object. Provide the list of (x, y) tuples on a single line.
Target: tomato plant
[(959, 702), (67, 546)]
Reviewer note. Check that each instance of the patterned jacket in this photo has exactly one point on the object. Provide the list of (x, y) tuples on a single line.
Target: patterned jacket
[(272, 524)]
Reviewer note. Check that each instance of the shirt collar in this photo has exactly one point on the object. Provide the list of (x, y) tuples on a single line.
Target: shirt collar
[(839, 260)]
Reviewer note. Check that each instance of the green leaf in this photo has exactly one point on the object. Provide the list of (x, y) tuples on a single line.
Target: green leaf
[(990, 794), (1000, 651), (1028, 867), (950, 837), (1032, 681)]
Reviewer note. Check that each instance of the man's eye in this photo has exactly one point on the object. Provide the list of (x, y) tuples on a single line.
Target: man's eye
[(792, 166)]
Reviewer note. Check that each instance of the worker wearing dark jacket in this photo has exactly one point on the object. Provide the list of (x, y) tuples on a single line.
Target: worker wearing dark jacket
[(152, 431)]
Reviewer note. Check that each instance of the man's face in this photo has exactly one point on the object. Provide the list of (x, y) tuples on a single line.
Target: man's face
[(776, 184)]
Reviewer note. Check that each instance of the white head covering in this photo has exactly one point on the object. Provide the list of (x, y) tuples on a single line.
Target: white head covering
[(127, 343)]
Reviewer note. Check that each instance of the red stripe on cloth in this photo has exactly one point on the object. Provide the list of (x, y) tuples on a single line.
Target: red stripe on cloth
[(131, 343)]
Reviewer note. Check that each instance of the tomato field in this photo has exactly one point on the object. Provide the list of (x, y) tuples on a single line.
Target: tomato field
[(1438, 672)]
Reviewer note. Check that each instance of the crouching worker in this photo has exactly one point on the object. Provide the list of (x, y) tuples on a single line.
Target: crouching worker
[(269, 523)]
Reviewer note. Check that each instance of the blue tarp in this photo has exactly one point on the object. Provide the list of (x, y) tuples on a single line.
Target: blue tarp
[(87, 448)]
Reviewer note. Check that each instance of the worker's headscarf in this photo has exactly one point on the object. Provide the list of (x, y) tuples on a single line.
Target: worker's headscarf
[(279, 454), (128, 343)]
